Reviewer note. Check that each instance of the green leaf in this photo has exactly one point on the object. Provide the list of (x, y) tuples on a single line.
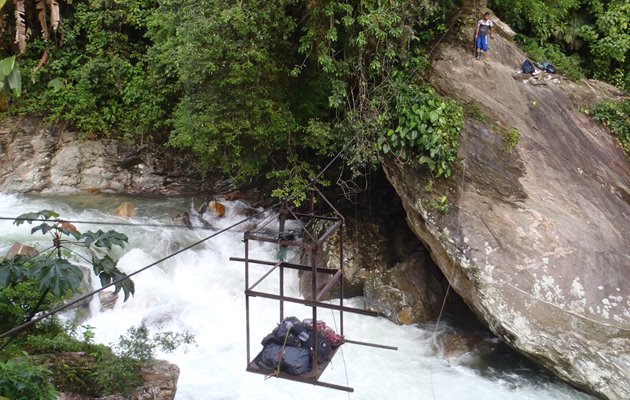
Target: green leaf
[(126, 285), (15, 82), (386, 148), (56, 275), (105, 239), (32, 216), (57, 84), (45, 228), (12, 271), (7, 64)]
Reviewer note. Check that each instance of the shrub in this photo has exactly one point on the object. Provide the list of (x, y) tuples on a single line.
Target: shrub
[(568, 65), (427, 129), (616, 116), (22, 380)]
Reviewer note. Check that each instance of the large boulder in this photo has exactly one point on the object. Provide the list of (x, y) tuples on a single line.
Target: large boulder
[(535, 238), (160, 382), (19, 249), (391, 270)]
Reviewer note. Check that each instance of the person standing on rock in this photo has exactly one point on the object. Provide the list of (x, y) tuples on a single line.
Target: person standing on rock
[(484, 29)]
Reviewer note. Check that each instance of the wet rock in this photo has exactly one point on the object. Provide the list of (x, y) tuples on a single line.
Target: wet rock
[(125, 210), (108, 300), (392, 272), (407, 293), (19, 249), (216, 208), (182, 218), (160, 381), (455, 345)]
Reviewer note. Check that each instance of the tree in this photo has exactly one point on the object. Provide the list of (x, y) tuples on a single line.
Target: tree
[(47, 23), (52, 271), (597, 31)]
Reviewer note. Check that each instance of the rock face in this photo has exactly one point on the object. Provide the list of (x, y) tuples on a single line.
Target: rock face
[(536, 239), (160, 383), (395, 275), (39, 157)]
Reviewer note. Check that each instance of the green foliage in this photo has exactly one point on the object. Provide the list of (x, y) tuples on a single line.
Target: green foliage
[(249, 87), (512, 136), (99, 80), (20, 379), (472, 110), (18, 301), (616, 116), (569, 65), (52, 272), (10, 76), (138, 344), (440, 205), (231, 60), (294, 181), (427, 129), (595, 31), (79, 366)]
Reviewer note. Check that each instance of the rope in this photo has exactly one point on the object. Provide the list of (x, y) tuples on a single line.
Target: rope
[(117, 281), (343, 357), (448, 279), (276, 372)]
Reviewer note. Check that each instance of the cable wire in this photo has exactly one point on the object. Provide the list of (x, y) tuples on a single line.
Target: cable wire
[(111, 223), (25, 325), (63, 307)]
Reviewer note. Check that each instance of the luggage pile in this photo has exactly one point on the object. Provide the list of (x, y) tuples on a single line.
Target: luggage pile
[(289, 347)]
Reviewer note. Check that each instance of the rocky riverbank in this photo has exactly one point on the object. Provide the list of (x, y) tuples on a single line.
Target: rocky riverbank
[(40, 157)]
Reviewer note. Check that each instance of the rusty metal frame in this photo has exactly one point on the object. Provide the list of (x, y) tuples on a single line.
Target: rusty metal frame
[(311, 247)]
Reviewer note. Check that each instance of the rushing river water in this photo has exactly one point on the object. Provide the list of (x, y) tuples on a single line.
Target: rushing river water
[(201, 291)]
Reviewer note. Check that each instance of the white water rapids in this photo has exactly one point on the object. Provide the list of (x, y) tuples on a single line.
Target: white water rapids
[(201, 291)]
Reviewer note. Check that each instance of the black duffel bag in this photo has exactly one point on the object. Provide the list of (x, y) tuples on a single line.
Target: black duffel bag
[(292, 360)]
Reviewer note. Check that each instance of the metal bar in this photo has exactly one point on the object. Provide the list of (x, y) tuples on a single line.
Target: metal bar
[(247, 331), (300, 267), (312, 201), (380, 346), (263, 223), (264, 276), (328, 232), (311, 303), (281, 292), (304, 379), (305, 215), (315, 346), (329, 204), (281, 223), (276, 240), (305, 230), (329, 285), (341, 294), (314, 308)]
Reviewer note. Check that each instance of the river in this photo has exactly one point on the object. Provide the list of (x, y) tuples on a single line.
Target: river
[(201, 291)]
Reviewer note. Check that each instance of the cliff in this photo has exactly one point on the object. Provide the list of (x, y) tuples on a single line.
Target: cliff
[(535, 238)]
